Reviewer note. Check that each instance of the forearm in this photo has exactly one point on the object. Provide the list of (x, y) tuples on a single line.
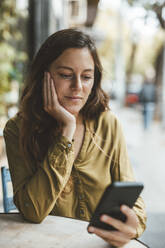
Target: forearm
[(37, 197), (35, 193)]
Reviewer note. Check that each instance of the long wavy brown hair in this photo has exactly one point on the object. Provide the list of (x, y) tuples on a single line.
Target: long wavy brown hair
[(38, 128)]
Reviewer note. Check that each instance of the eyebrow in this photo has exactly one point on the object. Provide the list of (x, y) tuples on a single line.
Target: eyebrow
[(69, 68)]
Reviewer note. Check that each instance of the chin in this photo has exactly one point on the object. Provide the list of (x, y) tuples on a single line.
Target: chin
[(73, 111)]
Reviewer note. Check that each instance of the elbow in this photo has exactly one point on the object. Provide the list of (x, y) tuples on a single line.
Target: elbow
[(31, 215), (31, 212), (33, 218)]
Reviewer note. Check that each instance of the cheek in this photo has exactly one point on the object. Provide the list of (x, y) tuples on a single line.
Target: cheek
[(58, 84), (58, 89), (89, 88)]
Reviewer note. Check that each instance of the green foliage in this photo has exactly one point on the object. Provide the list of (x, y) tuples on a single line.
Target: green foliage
[(148, 52), (8, 22), (11, 58), (156, 6)]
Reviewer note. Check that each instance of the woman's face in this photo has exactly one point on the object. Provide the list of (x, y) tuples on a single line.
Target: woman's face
[(73, 75)]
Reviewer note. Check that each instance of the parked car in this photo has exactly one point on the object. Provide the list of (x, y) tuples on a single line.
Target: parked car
[(131, 98), (132, 94)]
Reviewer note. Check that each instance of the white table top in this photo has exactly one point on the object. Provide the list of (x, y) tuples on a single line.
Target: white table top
[(53, 232)]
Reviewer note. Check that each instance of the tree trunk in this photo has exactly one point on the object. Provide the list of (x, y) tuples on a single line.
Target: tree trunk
[(158, 81)]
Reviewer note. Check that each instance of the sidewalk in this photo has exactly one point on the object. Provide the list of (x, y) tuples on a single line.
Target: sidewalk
[(146, 151)]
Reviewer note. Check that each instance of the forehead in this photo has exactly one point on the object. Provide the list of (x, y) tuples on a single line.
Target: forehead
[(75, 58)]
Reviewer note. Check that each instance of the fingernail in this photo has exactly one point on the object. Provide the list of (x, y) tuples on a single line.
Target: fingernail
[(124, 207), (104, 217), (91, 229)]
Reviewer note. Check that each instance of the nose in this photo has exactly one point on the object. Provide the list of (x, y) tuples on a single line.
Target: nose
[(77, 83)]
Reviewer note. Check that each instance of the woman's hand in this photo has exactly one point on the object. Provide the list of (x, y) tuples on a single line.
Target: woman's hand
[(55, 109), (125, 230)]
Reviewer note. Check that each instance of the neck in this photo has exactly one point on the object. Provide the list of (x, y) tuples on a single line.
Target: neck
[(79, 119)]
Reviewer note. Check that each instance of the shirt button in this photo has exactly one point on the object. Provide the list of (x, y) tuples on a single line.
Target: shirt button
[(80, 197), (77, 181), (81, 211)]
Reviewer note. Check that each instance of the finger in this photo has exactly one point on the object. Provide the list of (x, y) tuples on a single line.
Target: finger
[(51, 91), (54, 94), (131, 215), (45, 91), (119, 225), (113, 237), (49, 94)]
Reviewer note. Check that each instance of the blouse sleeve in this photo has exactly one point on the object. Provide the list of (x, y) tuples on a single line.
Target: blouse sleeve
[(122, 171), (37, 190)]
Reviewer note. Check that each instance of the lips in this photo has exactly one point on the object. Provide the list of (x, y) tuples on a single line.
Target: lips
[(74, 97)]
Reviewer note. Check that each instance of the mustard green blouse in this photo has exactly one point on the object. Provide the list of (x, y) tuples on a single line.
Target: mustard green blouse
[(64, 187)]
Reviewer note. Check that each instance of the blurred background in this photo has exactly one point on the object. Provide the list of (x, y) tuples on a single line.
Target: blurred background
[(130, 38)]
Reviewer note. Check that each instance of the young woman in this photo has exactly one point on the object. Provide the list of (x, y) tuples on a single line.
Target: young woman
[(65, 145)]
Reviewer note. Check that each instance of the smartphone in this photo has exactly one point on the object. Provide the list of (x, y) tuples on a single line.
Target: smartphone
[(115, 195)]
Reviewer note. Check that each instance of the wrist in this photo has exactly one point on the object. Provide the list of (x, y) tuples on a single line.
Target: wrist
[(68, 131)]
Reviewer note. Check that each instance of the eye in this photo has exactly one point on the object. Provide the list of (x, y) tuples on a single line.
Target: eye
[(65, 76), (86, 77)]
